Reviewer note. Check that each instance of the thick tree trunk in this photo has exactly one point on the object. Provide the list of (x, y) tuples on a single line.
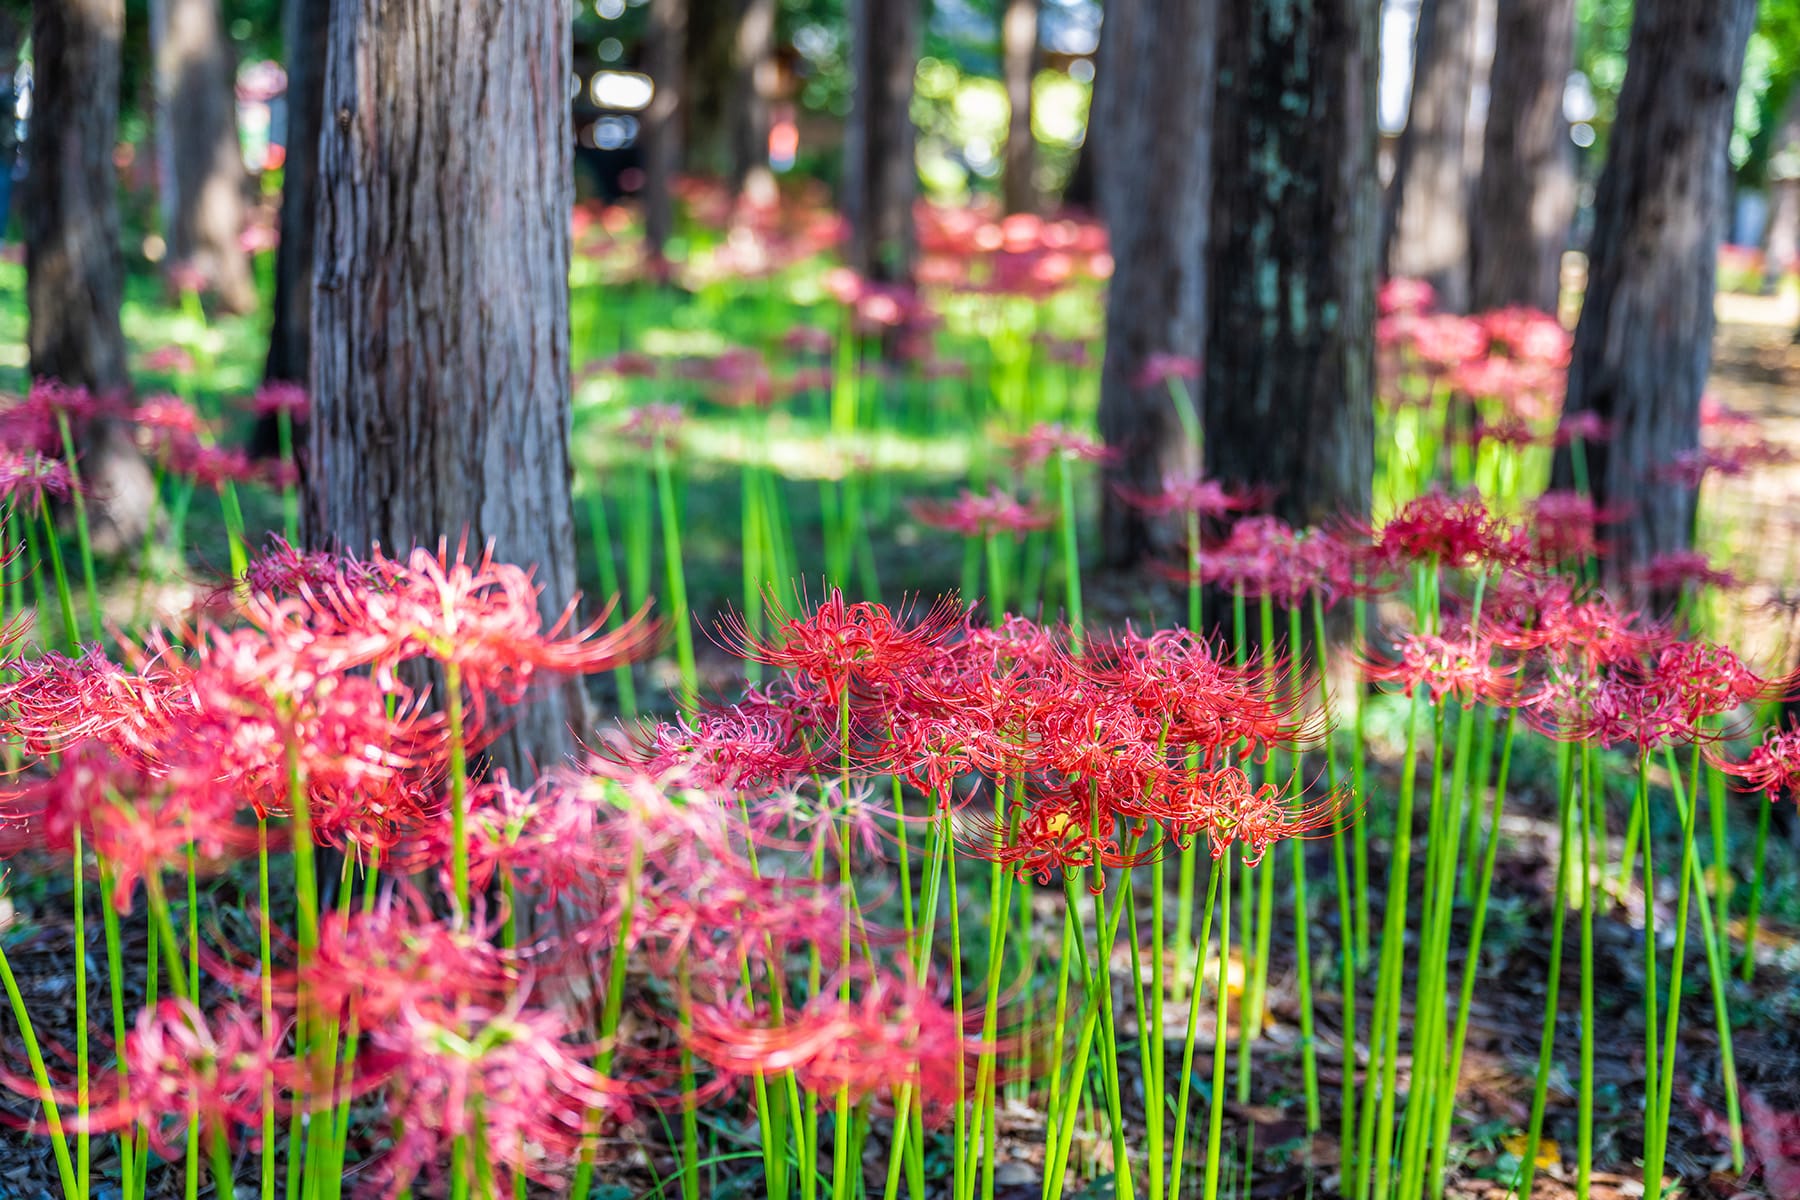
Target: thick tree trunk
[(199, 163), (1781, 240), (880, 176), (1156, 303), (1429, 199), (1290, 341), (290, 337), (709, 87), (1644, 344), (1525, 194), (666, 45), (1018, 60), (73, 267), (1115, 76), (12, 35), (440, 374), (754, 72)]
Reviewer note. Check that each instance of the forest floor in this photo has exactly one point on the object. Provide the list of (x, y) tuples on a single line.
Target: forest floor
[(1756, 370)]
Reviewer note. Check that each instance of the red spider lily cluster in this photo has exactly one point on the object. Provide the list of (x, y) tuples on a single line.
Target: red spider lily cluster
[(973, 516)]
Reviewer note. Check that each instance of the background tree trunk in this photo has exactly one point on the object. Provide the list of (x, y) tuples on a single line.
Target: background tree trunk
[(880, 176), (1290, 341), (1429, 200), (1525, 194), (665, 59), (1018, 58), (440, 374), (290, 337), (200, 163), (1644, 344), (754, 71), (73, 268), (1108, 108), (12, 34), (1781, 241), (1156, 302)]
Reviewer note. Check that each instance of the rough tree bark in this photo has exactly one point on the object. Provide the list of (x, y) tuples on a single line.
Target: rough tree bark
[(290, 337), (1525, 194), (1426, 221), (1291, 307), (880, 176), (665, 51), (200, 166), (754, 74), (1156, 302), (1644, 343), (1115, 76), (440, 376), (73, 267), (1018, 58)]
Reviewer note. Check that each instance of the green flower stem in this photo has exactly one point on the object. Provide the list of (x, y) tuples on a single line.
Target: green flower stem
[(1197, 975), (609, 583), (1754, 915), (59, 1144), (115, 978), (1215, 1116), (677, 581), (1655, 1155), (290, 496), (83, 536), (1553, 977), (1071, 555), (71, 632)]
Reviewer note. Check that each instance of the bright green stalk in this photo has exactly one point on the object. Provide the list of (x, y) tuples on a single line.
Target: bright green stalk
[(677, 579), (1309, 1055), (71, 633), (83, 537), (1346, 932), (459, 790), (1215, 1117), (1584, 1100), (1178, 1151), (115, 978), (1756, 887), (78, 902), (1653, 1163), (290, 498), (1071, 556), (609, 583), (1553, 978), (65, 1169)]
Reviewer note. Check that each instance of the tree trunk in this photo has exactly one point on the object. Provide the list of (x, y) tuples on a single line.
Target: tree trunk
[(880, 176), (290, 338), (440, 334), (1156, 302), (1644, 344), (709, 87), (73, 268), (1429, 223), (1018, 56), (754, 72), (665, 49), (199, 162), (1290, 334), (1525, 194), (1115, 77), (1781, 240), (11, 36)]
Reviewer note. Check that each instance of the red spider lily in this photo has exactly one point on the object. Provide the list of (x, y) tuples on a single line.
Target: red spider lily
[(972, 516), (1509, 430), (1690, 467), (167, 416), (510, 1082), (27, 479), (1264, 556), (808, 339), (543, 838), (1464, 669), (650, 425), (1565, 527), (1613, 710), (1161, 368), (1205, 497), (1228, 810), (1445, 340), (1454, 531), (1528, 333), (1586, 425), (724, 750), (1706, 680), (170, 359), (137, 823), (840, 646), (34, 423), (278, 397), (1588, 632), (1399, 295), (53, 702), (627, 364), (373, 966), (1773, 767), (1678, 569), (285, 570), (186, 1067), (482, 617), (892, 1035), (1044, 442), (1068, 828), (1717, 415)]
